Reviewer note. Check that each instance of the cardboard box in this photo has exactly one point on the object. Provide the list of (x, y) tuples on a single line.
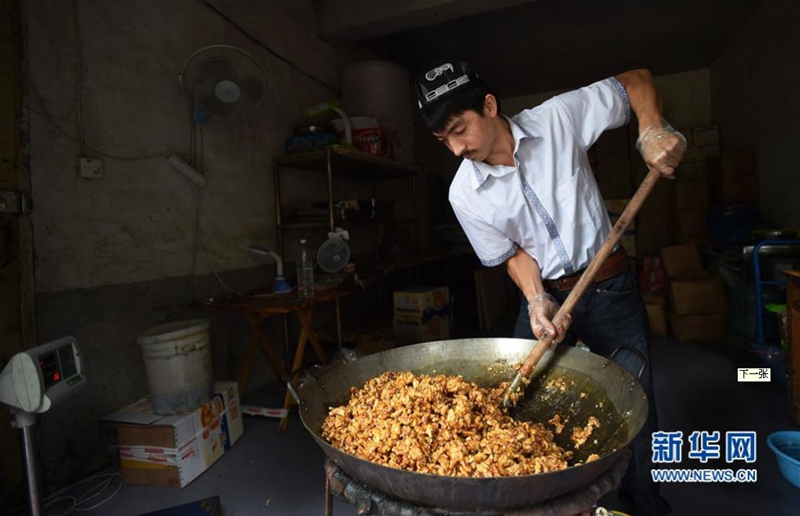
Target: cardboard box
[(682, 261), (691, 195), (657, 318), (654, 299), (656, 306), (703, 295), (740, 190), (708, 135), (732, 177), (733, 163), (409, 329), (656, 225), (692, 225), (628, 241), (699, 327), (705, 151), (421, 299), (174, 450), (689, 170)]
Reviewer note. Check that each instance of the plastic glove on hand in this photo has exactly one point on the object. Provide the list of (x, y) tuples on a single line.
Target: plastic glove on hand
[(662, 148), (541, 309)]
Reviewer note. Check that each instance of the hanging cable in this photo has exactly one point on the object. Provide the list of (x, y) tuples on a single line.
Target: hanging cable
[(268, 49), (79, 77), (197, 161), (78, 502), (94, 150)]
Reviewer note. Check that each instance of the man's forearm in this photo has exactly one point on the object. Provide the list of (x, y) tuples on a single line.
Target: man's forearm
[(525, 273), (661, 146), (643, 96)]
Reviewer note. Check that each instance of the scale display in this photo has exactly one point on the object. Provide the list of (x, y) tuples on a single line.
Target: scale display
[(37, 378), (57, 365)]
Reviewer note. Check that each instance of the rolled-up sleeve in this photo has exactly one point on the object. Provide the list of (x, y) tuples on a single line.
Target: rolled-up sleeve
[(492, 247)]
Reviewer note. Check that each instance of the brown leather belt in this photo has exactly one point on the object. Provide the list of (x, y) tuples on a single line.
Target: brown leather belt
[(615, 264)]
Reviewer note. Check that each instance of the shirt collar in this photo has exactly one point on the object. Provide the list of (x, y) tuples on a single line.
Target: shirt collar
[(482, 170)]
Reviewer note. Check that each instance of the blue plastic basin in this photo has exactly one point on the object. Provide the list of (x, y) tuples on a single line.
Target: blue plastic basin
[(786, 446)]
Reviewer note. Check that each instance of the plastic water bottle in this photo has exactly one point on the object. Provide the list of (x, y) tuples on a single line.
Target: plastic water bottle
[(305, 272)]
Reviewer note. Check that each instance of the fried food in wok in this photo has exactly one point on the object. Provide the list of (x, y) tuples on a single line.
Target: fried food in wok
[(441, 425)]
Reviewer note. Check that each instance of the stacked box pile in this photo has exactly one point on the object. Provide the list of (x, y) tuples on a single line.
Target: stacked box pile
[(174, 450), (691, 210), (615, 207), (709, 179), (732, 177), (691, 187), (421, 314), (653, 286), (656, 222), (697, 298)]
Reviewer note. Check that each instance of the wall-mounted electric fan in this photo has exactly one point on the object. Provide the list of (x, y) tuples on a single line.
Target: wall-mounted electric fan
[(225, 81)]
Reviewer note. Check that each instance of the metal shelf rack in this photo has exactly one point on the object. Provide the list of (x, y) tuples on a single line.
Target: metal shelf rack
[(337, 163)]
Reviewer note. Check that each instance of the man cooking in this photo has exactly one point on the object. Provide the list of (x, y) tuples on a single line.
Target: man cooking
[(526, 197)]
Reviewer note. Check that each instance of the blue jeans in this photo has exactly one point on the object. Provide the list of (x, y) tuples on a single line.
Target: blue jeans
[(611, 313)]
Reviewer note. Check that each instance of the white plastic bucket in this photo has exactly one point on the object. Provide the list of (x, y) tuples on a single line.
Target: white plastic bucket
[(177, 360)]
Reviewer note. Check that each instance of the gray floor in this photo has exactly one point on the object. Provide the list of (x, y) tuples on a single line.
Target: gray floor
[(267, 473)]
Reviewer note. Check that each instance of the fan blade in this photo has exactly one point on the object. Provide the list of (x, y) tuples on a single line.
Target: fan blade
[(254, 94), (207, 68), (207, 78), (213, 71)]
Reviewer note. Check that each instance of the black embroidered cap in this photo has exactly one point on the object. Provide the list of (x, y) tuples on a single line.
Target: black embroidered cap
[(439, 79)]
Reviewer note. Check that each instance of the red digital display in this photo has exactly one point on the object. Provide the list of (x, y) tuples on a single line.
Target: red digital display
[(50, 369)]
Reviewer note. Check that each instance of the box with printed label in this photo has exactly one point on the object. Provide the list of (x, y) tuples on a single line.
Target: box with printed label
[(174, 450), (421, 299), (410, 329), (702, 295)]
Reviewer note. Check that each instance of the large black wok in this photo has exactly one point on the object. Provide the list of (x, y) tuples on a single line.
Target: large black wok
[(594, 386)]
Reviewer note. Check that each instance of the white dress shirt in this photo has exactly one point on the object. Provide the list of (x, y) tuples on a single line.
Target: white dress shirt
[(549, 203)]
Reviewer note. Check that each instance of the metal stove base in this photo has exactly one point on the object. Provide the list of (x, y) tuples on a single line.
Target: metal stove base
[(369, 502)]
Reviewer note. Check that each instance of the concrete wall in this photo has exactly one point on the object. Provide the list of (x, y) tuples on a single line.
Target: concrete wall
[(117, 255), (755, 85)]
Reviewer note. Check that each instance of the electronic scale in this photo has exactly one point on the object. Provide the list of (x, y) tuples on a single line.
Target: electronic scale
[(32, 383)]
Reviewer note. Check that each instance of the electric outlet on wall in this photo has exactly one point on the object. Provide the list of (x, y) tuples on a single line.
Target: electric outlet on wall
[(90, 168)]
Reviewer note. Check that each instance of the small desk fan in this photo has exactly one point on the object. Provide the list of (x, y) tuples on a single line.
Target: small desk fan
[(334, 253)]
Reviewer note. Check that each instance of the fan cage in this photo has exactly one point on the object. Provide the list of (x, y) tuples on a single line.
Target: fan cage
[(225, 62)]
